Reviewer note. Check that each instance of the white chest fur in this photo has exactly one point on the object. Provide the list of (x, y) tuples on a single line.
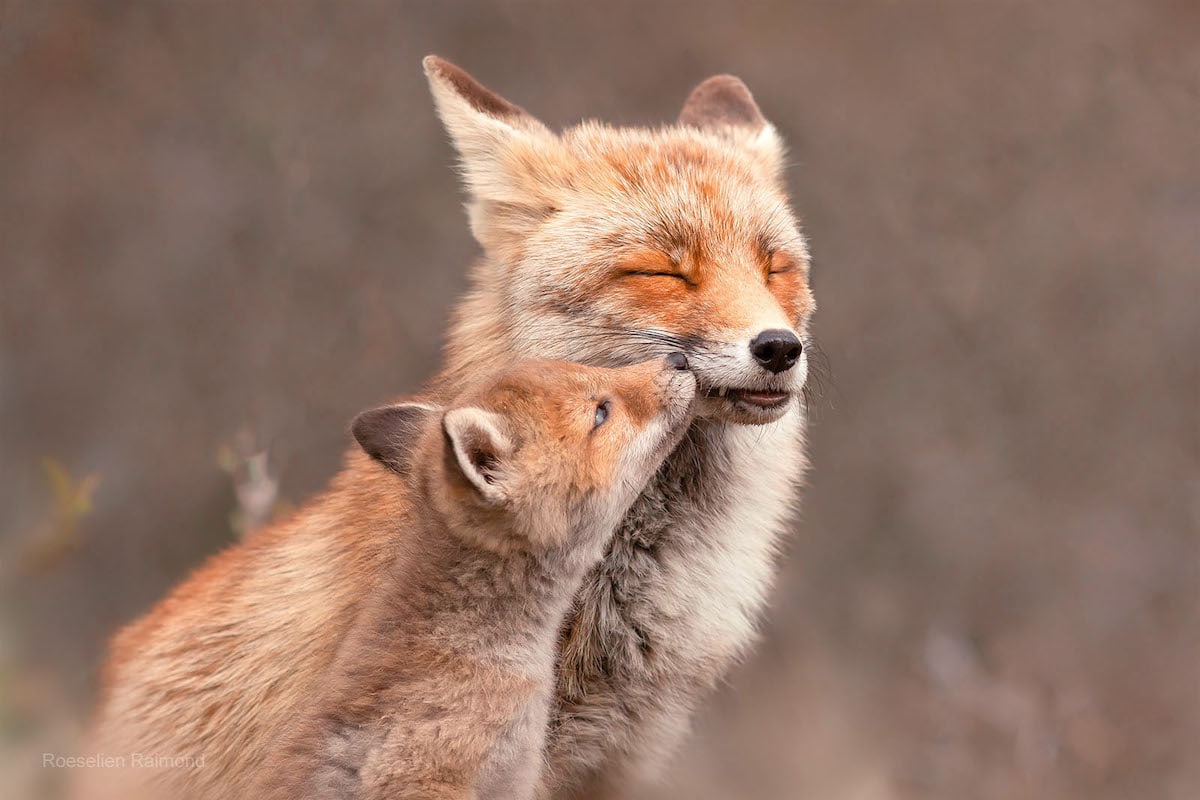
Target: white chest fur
[(712, 585)]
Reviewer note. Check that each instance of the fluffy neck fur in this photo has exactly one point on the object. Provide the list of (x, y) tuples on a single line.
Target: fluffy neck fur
[(496, 604)]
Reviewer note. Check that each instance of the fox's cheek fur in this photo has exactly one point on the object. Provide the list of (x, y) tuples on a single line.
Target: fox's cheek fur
[(792, 293)]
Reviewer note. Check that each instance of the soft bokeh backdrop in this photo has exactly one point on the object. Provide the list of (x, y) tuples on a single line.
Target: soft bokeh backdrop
[(227, 227)]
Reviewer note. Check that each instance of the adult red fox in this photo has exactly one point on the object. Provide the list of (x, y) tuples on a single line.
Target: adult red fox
[(601, 245), (610, 246)]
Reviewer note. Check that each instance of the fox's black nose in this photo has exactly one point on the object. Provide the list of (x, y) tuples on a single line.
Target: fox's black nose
[(677, 361), (776, 350)]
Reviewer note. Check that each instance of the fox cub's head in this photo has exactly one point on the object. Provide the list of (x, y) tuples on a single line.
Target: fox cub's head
[(613, 245), (546, 452)]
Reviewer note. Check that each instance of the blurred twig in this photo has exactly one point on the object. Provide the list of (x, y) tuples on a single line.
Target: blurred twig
[(254, 485), (58, 536)]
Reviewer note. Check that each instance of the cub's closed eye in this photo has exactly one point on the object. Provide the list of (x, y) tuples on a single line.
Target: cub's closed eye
[(602, 411)]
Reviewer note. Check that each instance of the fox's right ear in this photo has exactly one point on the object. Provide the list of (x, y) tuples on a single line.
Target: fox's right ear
[(390, 434), (482, 453), (511, 162), (724, 105)]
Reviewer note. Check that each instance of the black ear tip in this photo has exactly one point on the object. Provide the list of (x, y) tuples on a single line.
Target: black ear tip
[(367, 428), (462, 83), (391, 433)]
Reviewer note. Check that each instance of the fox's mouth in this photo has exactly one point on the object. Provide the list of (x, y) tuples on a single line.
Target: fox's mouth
[(765, 399)]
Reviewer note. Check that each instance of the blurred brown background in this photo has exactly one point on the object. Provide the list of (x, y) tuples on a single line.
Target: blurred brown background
[(226, 225)]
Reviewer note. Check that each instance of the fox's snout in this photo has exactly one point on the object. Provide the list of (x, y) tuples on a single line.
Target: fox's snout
[(776, 350)]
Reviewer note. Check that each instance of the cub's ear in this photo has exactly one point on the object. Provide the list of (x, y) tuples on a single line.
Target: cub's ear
[(514, 168), (390, 434), (482, 453), (724, 104)]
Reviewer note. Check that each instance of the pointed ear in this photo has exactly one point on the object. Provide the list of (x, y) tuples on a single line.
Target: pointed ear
[(474, 115), (390, 434), (723, 104), (481, 450), (512, 164)]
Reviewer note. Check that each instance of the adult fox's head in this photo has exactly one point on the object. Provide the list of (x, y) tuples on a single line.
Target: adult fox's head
[(614, 245)]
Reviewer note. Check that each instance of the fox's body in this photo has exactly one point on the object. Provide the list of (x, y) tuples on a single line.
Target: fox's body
[(583, 233), (673, 605), (606, 246)]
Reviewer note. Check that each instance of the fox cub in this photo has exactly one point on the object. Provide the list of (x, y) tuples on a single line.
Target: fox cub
[(442, 689), (441, 685)]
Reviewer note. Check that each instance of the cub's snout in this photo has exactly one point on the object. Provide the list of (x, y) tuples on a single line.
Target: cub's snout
[(660, 396), (677, 361), (678, 390)]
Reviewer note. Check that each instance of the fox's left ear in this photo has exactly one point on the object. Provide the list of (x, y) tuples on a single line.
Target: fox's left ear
[(512, 164), (477, 119), (723, 104)]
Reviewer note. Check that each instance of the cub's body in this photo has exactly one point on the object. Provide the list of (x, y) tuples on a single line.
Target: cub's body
[(396, 639), (216, 673)]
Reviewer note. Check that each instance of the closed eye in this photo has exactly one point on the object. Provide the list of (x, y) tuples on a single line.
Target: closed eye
[(781, 264), (649, 274), (650, 262)]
